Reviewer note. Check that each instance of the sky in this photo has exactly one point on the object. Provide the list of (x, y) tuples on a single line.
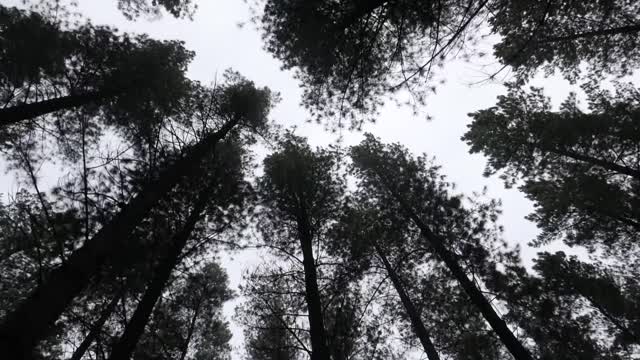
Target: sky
[(220, 43)]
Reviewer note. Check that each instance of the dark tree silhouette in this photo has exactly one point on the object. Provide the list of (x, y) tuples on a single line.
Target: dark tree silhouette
[(130, 78), (379, 167), (301, 191), (239, 104), (581, 169), (349, 54), (563, 34)]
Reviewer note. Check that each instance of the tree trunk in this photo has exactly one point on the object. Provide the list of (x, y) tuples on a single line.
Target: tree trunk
[(416, 322), (30, 322), (95, 329), (319, 349), (517, 350), (629, 29), (624, 170), (162, 272), (15, 114), (192, 326)]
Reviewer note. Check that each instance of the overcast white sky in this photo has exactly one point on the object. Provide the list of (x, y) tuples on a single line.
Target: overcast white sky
[(219, 44)]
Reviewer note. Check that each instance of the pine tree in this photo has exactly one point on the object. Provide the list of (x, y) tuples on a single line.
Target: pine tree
[(349, 54), (238, 104), (128, 78), (402, 183), (300, 191), (565, 34), (580, 168)]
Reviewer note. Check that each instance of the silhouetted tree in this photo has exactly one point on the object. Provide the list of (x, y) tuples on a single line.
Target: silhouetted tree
[(238, 104), (129, 78), (349, 54), (565, 34), (301, 190), (187, 322), (580, 168), (402, 183)]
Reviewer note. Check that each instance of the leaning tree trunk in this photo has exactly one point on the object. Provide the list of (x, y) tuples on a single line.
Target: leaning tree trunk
[(96, 328), (319, 349), (416, 322), (517, 350), (135, 328), (17, 113), (30, 322)]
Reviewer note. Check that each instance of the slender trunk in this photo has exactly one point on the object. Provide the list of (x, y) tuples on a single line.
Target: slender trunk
[(135, 328), (319, 349), (629, 29), (517, 350), (15, 114), (599, 162), (95, 329), (30, 322), (192, 326), (416, 322)]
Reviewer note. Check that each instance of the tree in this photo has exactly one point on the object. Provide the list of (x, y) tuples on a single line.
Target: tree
[(187, 322), (349, 54), (359, 232), (580, 168), (130, 78), (300, 191), (404, 184), (268, 316), (565, 34), (238, 104), (561, 321), (225, 198), (612, 295)]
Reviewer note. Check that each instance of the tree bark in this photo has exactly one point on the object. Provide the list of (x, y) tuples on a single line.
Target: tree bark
[(15, 114), (517, 350), (624, 170), (416, 322), (95, 329), (29, 323), (319, 348), (162, 272)]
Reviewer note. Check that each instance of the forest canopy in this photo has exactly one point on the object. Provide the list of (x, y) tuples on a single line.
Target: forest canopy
[(162, 216)]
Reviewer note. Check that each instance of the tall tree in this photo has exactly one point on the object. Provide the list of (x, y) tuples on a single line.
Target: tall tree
[(237, 104), (357, 230), (269, 315), (611, 295), (131, 76), (187, 322), (301, 191), (581, 168), (404, 184), (562, 322), (566, 34), (222, 197), (349, 54)]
